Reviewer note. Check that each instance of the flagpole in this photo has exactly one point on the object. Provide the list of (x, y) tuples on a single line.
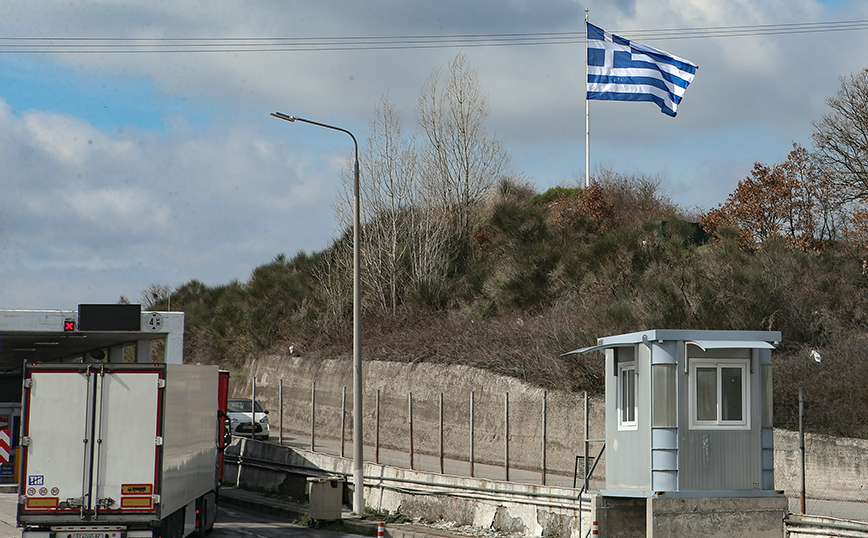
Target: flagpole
[(587, 112)]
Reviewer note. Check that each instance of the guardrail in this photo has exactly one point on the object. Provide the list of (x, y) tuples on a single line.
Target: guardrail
[(416, 486), (799, 526)]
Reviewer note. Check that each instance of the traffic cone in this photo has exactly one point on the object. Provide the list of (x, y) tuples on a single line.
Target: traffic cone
[(595, 529), (381, 530)]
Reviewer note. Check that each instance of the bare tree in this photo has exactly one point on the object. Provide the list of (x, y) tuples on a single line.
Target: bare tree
[(841, 137), (821, 209), (391, 177), (416, 197), (430, 252), (334, 275), (462, 160), (154, 294), (405, 231), (388, 185)]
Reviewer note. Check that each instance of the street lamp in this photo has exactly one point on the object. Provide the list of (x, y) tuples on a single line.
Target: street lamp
[(358, 460)]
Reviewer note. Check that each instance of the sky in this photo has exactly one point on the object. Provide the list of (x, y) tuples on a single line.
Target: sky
[(122, 170)]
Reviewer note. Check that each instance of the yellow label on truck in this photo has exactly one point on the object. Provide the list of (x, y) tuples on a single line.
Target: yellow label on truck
[(136, 502), (42, 502), (136, 489)]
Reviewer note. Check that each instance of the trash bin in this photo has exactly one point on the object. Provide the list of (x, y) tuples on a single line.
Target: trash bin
[(326, 494)]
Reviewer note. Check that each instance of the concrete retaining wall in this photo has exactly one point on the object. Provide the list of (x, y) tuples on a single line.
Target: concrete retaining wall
[(837, 468), (395, 381)]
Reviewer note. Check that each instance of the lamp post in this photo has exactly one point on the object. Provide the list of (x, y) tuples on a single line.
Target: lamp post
[(358, 459)]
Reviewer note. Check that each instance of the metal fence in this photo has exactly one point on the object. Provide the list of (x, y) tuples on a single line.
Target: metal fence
[(526, 438), (541, 438)]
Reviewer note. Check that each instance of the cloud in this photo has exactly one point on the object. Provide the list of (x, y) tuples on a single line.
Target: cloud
[(124, 170), (184, 205)]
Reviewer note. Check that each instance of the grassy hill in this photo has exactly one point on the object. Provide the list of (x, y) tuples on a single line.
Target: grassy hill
[(541, 274)]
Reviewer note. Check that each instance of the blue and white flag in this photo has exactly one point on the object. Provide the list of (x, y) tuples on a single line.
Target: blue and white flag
[(621, 70)]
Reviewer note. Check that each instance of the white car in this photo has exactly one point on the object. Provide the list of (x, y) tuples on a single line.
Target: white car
[(243, 423)]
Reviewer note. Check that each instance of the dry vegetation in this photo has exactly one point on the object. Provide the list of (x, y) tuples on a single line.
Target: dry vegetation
[(552, 273)]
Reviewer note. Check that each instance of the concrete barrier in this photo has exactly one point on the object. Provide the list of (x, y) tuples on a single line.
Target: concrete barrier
[(523, 509), (799, 526), (715, 517)]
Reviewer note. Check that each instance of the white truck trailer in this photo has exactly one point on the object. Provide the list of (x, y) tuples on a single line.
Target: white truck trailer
[(118, 450)]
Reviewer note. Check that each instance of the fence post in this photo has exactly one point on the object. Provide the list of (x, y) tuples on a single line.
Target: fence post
[(343, 418), (280, 398), (313, 416), (544, 411), (506, 434), (377, 431), (471, 434), (441, 433), (587, 446), (410, 423), (576, 471), (253, 411), (802, 447)]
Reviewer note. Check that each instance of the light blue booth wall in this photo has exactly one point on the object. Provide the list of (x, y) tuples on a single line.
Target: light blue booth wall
[(722, 459), (628, 452)]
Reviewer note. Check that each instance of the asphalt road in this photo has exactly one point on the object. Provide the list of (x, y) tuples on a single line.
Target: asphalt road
[(231, 523), (7, 516), (238, 523)]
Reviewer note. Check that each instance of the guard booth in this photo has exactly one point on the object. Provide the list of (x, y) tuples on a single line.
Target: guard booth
[(689, 430)]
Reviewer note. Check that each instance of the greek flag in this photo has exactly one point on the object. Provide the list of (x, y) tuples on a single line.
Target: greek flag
[(620, 70)]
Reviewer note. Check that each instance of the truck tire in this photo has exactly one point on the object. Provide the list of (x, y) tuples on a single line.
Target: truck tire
[(202, 518), (206, 508), (172, 526)]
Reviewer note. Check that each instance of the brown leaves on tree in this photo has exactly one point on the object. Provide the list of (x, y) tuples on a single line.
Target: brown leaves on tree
[(790, 200)]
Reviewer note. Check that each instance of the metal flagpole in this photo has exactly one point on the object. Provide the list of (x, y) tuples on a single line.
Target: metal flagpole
[(587, 112)]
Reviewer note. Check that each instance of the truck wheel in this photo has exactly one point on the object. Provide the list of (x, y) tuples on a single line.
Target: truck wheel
[(202, 518), (172, 525)]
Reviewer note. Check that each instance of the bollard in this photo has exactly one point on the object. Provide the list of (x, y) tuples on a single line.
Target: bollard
[(595, 529), (381, 530)]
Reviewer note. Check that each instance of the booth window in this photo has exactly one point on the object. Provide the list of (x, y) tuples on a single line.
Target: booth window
[(719, 394), (627, 396), (664, 396)]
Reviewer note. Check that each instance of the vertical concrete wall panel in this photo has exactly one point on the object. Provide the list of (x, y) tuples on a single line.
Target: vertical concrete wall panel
[(720, 517)]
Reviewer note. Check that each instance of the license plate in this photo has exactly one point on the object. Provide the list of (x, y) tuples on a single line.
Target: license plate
[(87, 535)]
